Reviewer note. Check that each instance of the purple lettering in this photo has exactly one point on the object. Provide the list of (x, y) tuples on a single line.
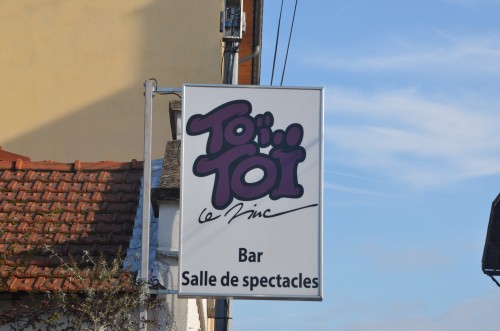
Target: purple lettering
[(233, 152), (220, 166), (250, 191), (289, 155), (240, 131), (215, 121)]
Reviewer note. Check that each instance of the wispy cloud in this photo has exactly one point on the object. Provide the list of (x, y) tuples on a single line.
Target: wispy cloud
[(404, 135), (409, 135), (353, 190), (407, 259), (444, 51)]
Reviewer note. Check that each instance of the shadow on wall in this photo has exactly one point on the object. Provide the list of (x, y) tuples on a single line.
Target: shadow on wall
[(178, 43), (110, 129)]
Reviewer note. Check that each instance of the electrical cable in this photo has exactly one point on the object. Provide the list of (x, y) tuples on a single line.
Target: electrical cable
[(155, 81), (288, 47), (276, 46), (169, 93)]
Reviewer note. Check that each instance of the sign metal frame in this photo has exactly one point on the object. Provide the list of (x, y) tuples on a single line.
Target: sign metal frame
[(241, 216)]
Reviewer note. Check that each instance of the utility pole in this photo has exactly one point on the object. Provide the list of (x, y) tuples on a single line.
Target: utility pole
[(231, 58), (232, 26)]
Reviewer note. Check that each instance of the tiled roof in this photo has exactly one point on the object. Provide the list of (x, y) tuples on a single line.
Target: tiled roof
[(8, 156), (71, 208)]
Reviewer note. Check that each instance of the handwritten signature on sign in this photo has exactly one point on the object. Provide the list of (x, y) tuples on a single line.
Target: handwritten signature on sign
[(237, 211)]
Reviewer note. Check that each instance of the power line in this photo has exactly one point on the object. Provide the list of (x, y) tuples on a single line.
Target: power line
[(288, 47), (276, 46)]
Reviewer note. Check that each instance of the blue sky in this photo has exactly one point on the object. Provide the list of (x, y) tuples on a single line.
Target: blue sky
[(412, 161)]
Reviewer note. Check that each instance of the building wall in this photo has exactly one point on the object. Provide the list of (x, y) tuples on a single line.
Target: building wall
[(249, 69), (189, 314), (72, 72)]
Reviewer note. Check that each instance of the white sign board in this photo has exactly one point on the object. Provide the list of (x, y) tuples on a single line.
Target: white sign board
[(251, 192)]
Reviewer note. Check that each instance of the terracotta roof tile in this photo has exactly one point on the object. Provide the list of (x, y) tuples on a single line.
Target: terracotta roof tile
[(8, 156), (75, 207)]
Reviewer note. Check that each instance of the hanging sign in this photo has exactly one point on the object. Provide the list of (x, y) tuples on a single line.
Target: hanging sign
[(251, 192)]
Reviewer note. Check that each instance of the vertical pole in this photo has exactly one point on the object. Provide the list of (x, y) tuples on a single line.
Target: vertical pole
[(236, 57), (228, 313), (231, 59), (223, 309), (146, 191)]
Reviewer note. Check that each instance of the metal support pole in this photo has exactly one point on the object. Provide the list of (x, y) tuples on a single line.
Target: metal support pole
[(223, 307), (235, 62), (231, 57), (146, 190)]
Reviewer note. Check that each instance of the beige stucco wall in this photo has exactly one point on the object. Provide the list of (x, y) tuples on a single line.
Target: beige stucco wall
[(72, 72)]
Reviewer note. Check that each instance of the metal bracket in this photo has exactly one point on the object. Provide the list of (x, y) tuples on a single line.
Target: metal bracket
[(167, 90), (161, 291)]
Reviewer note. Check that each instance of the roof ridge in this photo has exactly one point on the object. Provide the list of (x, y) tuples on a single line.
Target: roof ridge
[(20, 164), (9, 156)]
